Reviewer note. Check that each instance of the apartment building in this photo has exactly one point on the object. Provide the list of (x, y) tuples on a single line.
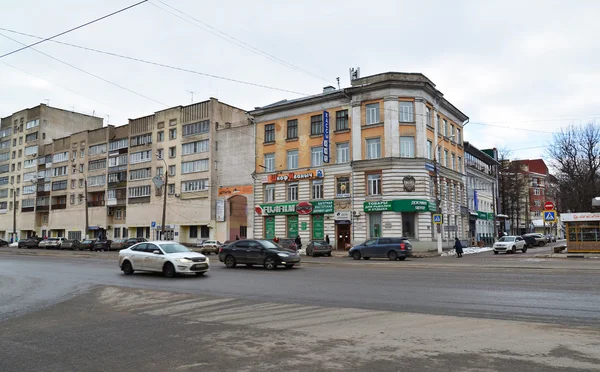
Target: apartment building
[(23, 137), (358, 162), (119, 175)]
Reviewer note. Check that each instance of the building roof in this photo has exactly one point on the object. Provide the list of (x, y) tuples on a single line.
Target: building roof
[(534, 165), (483, 156)]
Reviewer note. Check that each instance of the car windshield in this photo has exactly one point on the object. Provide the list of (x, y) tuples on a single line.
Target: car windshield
[(269, 244), (320, 243), (53, 239), (87, 241), (174, 248), (507, 239)]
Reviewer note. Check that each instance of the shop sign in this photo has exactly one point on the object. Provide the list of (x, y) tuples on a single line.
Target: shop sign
[(342, 216), (235, 190), (377, 206), (304, 208), (220, 210), (314, 207), (322, 206), (280, 208), (400, 205), (482, 215), (304, 226), (573, 217), (318, 227), (294, 176)]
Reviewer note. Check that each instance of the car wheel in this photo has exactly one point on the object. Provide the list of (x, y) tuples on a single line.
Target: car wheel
[(201, 274), (366, 258), (289, 266), (524, 249), (270, 263), (249, 265), (168, 270), (514, 250), (313, 254), (401, 258), (230, 262), (127, 268), (495, 252), (356, 255), (328, 254), (393, 256)]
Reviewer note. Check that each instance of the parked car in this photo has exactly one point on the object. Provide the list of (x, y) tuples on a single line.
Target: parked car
[(170, 258), (510, 244), (258, 252), (540, 240), (118, 244), (209, 246), (550, 238), (69, 244), (53, 243), (288, 244), (86, 245), (529, 241), (392, 248), (28, 243), (42, 243), (3, 243), (132, 241), (101, 245), (318, 247)]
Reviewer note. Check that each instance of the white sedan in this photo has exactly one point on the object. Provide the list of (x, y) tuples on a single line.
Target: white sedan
[(510, 244), (169, 258)]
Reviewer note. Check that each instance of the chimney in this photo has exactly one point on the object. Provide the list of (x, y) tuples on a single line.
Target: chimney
[(328, 89)]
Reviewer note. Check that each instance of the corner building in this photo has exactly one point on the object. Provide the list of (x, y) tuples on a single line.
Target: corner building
[(385, 132)]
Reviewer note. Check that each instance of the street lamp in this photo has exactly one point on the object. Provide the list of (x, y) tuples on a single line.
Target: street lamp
[(164, 211), (14, 234), (438, 200), (87, 222)]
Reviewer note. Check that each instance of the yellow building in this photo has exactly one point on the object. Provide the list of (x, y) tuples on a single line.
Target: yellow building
[(357, 163)]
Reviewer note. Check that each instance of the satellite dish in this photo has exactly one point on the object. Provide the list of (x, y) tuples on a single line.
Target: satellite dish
[(158, 181)]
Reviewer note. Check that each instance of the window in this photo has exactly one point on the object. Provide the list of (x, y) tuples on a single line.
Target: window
[(20, 140), (373, 148), (194, 147), (406, 113), (269, 162), (99, 180), (316, 124), (343, 152), (172, 122), (292, 159), (374, 226), (455, 192), (97, 149), (270, 133), (292, 191), (4, 180), (194, 166), (446, 158), (73, 184), (115, 161), (20, 153), (341, 120), (407, 147), (194, 185), (204, 231), (6, 156), (193, 231), (537, 203), (196, 128), (172, 152), (97, 164), (172, 170), (139, 191), (81, 183), (28, 203), (74, 155), (429, 149), (374, 184), (31, 137), (269, 192), (173, 133), (292, 129), (117, 230), (72, 199), (30, 189), (342, 187), (140, 174), (458, 137), (63, 156), (171, 188), (118, 144), (160, 136), (57, 171), (439, 155), (372, 113), (159, 171), (140, 157), (445, 128), (451, 130), (143, 139), (32, 124), (59, 185), (459, 165), (316, 156), (536, 191), (5, 144), (82, 153), (453, 165), (81, 168), (317, 189), (160, 154), (30, 150)]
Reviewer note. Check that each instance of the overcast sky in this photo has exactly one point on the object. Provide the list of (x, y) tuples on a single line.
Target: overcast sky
[(531, 65)]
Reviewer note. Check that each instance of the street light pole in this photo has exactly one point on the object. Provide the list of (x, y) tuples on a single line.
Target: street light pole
[(164, 209), (87, 222), (438, 199), (14, 212)]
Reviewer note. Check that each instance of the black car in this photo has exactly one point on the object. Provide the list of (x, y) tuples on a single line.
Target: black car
[(392, 248), (101, 245), (318, 247), (70, 244), (132, 241), (530, 241), (3, 243), (86, 245), (28, 243), (258, 252)]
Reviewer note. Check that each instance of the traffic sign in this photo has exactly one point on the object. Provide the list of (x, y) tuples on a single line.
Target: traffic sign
[(153, 224), (550, 216), (548, 206), (438, 219)]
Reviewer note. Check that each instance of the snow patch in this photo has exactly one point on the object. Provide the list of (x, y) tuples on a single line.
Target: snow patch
[(14, 245), (468, 250)]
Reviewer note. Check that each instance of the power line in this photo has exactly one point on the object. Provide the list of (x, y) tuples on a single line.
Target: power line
[(73, 29), (158, 64), (234, 40)]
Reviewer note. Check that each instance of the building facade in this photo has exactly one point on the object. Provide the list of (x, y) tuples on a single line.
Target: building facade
[(119, 175), (357, 163)]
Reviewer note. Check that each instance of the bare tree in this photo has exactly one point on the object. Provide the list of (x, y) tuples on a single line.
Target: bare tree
[(513, 191), (575, 154)]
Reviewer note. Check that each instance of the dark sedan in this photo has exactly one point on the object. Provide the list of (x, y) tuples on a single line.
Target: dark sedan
[(86, 245), (70, 244), (529, 240), (28, 243), (258, 252), (101, 245), (3, 243), (131, 241), (318, 247), (392, 248)]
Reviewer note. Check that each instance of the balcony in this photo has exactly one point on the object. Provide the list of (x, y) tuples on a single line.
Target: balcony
[(114, 202), (119, 184), (117, 168), (59, 206), (96, 203), (43, 193), (42, 208), (27, 209)]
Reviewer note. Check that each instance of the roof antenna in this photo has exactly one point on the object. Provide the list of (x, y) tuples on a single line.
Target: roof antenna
[(192, 93), (338, 81)]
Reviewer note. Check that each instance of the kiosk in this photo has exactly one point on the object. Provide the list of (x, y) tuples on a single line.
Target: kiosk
[(583, 232)]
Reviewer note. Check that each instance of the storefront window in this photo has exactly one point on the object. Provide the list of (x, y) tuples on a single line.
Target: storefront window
[(374, 225), (408, 225), (318, 227), (269, 227), (292, 227)]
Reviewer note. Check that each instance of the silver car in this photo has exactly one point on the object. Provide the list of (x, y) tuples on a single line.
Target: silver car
[(510, 244)]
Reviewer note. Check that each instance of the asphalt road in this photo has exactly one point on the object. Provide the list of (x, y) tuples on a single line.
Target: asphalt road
[(83, 314)]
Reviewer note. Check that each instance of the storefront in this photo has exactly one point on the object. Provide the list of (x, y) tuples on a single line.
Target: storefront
[(583, 232), (305, 219), (408, 211)]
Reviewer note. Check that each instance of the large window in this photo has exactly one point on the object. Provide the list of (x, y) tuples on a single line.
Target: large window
[(270, 133), (97, 164), (5, 144), (292, 159), (429, 149), (292, 129), (536, 192), (28, 203), (373, 148), (140, 174), (374, 184), (428, 116), (196, 128), (31, 137), (29, 189), (139, 191), (194, 147), (316, 156), (317, 189), (4, 180), (374, 226), (59, 185), (454, 166), (142, 139), (32, 175), (342, 187), (115, 161), (194, 166), (372, 113), (194, 185), (316, 124), (30, 150), (269, 192), (406, 112), (140, 157), (118, 144), (58, 171), (292, 191), (407, 147), (445, 128), (97, 149), (269, 162), (341, 120), (458, 137), (6, 156), (342, 153), (99, 180), (32, 124)]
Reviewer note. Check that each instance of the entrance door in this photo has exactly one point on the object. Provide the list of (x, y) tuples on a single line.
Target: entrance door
[(342, 236)]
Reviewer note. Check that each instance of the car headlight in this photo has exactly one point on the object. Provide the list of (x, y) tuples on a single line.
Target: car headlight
[(283, 254), (185, 260)]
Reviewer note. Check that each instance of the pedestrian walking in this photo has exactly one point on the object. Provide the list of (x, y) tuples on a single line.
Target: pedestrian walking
[(237, 237), (298, 242), (327, 239), (458, 248)]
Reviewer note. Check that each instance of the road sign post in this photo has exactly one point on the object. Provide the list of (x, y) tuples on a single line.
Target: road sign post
[(550, 216), (549, 206), (438, 219)]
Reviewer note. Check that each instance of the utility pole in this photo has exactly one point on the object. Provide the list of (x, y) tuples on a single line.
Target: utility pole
[(87, 222), (437, 200), (164, 211), (14, 213)]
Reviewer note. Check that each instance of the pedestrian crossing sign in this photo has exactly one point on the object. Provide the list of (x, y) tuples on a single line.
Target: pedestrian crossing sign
[(438, 219), (550, 216)]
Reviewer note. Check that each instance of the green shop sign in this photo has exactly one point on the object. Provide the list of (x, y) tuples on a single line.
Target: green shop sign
[(400, 205), (318, 207), (485, 216)]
